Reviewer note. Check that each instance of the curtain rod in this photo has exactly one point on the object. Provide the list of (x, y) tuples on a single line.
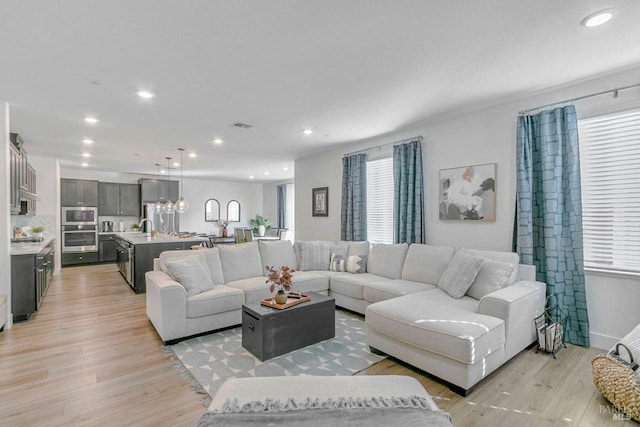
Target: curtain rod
[(614, 90), (364, 150)]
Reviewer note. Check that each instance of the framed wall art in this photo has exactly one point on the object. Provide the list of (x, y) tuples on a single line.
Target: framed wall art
[(320, 201), (468, 193)]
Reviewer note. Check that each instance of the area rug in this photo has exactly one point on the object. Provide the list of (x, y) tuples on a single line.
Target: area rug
[(209, 360)]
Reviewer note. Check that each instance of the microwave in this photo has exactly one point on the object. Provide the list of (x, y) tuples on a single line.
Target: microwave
[(79, 216)]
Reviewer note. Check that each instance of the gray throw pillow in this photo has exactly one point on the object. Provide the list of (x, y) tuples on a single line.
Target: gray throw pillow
[(191, 274), (338, 262), (460, 274), (357, 264), (493, 275)]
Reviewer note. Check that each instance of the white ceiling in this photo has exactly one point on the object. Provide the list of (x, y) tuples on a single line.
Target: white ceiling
[(347, 69)]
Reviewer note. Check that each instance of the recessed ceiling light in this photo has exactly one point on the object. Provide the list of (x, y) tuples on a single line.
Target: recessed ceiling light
[(597, 18), (285, 169), (163, 171), (86, 155), (307, 131), (176, 164), (87, 141), (91, 120), (251, 177), (85, 164), (192, 155), (144, 94), (217, 141), (266, 173)]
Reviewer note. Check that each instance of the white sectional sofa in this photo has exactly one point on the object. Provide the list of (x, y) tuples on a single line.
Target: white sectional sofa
[(405, 295)]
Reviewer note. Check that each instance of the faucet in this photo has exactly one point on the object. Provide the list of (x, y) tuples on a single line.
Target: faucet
[(150, 224)]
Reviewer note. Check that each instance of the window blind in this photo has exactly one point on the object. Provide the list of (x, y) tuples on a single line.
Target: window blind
[(610, 178), (380, 200)]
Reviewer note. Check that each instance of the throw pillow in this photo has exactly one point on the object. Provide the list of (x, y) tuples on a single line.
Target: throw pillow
[(460, 274), (493, 275), (338, 263), (314, 255), (190, 273), (357, 264)]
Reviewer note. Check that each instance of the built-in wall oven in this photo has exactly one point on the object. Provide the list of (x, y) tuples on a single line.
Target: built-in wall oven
[(79, 229)]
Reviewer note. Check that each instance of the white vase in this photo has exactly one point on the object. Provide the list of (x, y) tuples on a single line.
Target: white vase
[(261, 230)]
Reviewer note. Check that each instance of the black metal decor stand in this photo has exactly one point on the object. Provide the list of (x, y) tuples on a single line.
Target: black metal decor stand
[(551, 327)]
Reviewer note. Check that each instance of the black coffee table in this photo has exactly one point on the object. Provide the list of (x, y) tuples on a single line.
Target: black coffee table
[(269, 332)]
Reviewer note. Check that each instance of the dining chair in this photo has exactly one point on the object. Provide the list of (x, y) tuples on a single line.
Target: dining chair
[(272, 232), (239, 234), (248, 235)]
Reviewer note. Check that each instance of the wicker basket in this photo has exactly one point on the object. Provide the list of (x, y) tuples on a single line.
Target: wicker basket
[(618, 383)]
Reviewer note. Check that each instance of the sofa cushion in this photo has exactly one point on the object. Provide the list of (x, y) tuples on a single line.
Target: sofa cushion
[(217, 300), (426, 263), (277, 253), (314, 255), (352, 285), (215, 266), (307, 281), (387, 260), (460, 274), (191, 272), (493, 275), (358, 248), (241, 261), (383, 290), (437, 327), (508, 257), (255, 288)]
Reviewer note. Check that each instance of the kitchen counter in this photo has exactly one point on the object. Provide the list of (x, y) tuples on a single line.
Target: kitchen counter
[(139, 238), (29, 248)]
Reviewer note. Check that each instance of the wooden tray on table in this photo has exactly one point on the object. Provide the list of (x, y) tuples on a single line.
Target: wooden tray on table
[(293, 298)]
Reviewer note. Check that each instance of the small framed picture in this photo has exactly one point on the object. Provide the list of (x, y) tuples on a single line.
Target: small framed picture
[(320, 201)]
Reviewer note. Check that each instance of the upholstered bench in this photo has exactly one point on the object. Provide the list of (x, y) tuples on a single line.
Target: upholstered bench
[(310, 400)]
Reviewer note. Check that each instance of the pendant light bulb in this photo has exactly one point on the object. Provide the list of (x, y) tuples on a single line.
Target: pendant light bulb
[(181, 205), (168, 207), (157, 206)]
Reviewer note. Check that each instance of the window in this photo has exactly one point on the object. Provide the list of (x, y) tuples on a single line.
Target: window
[(610, 169), (380, 200)]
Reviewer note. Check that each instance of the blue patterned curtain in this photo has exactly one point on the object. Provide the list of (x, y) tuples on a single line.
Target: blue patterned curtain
[(408, 194), (282, 206), (548, 222), (354, 198)]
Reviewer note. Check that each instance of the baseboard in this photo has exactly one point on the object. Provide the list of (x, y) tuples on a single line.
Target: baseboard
[(602, 341)]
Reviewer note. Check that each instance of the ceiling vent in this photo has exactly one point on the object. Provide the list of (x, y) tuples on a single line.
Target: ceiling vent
[(241, 125)]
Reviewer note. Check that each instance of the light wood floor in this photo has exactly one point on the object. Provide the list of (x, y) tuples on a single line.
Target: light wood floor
[(91, 357)]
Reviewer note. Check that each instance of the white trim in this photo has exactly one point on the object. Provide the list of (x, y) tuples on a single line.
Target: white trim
[(602, 341)]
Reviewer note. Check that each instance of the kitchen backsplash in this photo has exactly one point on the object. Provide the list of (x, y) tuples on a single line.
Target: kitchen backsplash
[(128, 221), (48, 222)]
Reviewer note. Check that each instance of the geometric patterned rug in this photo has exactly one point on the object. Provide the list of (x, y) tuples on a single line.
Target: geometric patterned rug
[(209, 360)]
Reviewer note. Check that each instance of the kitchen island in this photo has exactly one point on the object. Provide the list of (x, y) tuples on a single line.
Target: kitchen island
[(136, 252)]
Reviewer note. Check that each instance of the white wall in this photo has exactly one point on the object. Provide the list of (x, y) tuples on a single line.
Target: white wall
[(483, 136), (5, 239)]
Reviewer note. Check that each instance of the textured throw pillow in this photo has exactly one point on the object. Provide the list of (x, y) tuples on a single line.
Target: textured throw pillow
[(190, 273), (314, 255), (338, 263), (357, 264), (493, 275), (460, 274)]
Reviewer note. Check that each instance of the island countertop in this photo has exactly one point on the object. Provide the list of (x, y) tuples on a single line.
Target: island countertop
[(139, 238)]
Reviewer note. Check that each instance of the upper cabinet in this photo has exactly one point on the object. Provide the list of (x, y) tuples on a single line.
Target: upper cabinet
[(119, 199), (78, 192), (15, 172), (22, 177), (153, 190)]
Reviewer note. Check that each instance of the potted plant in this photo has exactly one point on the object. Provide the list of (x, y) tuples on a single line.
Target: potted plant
[(280, 279), (260, 224), (135, 227), (223, 223), (37, 231)]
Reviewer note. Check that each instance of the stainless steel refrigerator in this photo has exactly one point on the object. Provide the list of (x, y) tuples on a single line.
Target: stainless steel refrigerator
[(161, 221)]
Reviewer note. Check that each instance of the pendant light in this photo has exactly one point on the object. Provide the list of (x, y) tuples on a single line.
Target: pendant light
[(181, 205), (157, 206), (168, 207)]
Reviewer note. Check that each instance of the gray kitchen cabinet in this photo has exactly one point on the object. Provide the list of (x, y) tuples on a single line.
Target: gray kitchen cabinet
[(107, 247), (30, 278), (15, 172), (78, 192), (152, 189), (119, 199)]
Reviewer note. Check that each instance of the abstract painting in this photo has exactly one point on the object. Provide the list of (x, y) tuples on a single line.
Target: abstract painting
[(468, 193)]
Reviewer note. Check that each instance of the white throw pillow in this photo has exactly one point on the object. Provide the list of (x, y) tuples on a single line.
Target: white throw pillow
[(314, 255), (493, 275), (460, 274), (190, 273), (338, 260)]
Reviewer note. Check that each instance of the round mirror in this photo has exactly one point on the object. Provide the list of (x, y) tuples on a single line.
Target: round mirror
[(211, 210), (233, 211)]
